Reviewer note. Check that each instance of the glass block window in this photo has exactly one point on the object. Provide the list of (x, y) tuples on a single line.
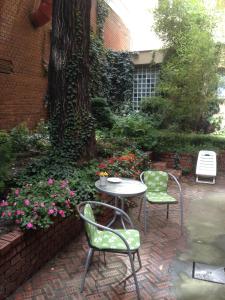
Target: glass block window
[(144, 83)]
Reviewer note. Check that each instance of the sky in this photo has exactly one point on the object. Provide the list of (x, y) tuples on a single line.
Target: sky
[(138, 17)]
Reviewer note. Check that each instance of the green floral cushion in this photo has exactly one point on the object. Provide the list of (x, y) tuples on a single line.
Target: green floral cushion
[(159, 197), (109, 240), (90, 229), (156, 181)]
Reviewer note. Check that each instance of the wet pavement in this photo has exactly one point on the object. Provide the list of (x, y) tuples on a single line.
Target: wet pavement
[(167, 256)]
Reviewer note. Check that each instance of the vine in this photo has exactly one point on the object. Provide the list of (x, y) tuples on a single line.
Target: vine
[(102, 13), (72, 124)]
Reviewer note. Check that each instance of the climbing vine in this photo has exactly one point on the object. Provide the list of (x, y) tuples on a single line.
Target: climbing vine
[(102, 13), (71, 122)]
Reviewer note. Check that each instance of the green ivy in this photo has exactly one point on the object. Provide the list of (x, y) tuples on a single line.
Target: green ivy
[(111, 75), (102, 13)]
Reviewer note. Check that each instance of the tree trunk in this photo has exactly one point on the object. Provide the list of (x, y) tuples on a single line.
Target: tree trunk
[(71, 123)]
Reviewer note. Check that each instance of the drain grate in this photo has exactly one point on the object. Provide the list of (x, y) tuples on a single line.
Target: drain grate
[(209, 273)]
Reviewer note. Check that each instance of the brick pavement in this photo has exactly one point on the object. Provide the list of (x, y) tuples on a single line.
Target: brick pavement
[(60, 278)]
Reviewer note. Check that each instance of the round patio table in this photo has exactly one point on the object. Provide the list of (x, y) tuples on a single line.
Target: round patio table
[(120, 190)]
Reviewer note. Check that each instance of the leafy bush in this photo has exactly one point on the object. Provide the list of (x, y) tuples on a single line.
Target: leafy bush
[(133, 125), (5, 157), (81, 177), (23, 140), (34, 205), (158, 110), (20, 138), (102, 113)]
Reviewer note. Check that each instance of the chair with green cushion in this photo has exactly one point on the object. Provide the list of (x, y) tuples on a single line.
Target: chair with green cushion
[(157, 185), (102, 238)]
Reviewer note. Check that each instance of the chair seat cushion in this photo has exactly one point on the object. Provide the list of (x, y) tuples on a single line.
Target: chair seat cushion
[(109, 240), (159, 197)]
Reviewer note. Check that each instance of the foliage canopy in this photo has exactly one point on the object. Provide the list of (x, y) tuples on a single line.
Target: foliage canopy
[(189, 75)]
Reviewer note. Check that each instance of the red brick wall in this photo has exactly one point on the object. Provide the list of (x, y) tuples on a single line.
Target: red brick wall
[(116, 35), (22, 254), (27, 49), (23, 90)]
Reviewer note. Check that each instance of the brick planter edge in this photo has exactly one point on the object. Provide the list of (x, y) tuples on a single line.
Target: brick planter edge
[(23, 253)]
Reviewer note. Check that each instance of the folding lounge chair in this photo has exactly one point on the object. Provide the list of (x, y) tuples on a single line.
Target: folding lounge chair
[(206, 167)]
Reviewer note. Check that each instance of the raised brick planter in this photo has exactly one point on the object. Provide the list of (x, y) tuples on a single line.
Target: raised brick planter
[(185, 160), (23, 253), (188, 161)]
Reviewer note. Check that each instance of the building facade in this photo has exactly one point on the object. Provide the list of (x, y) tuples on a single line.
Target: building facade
[(24, 54)]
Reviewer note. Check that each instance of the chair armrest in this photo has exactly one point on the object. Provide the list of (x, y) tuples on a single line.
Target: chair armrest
[(112, 207)]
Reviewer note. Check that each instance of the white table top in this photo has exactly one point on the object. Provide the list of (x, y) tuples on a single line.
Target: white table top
[(125, 188)]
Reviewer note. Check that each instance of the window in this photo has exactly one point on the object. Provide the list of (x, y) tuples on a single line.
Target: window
[(144, 83)]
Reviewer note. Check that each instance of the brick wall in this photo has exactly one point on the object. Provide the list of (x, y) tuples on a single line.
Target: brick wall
[(116, 35), (188, 161), (25, 50), (22, 254), (21, 91)]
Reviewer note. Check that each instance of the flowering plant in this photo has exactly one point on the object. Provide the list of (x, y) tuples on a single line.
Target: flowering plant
[(129, 165), (34, 206)]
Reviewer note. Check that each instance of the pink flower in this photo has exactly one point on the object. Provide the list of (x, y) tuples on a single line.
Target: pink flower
[(19, 212), (72, 193), (17, 192), (17, 221), (26, 202), (61, 213), (67, 202), (42, 204), (29, 225), (51, 211), (4, 203), (64, 183), (9, 213), (3, 214), (50, 181)]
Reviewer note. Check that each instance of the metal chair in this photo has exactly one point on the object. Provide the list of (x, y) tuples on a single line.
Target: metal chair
[(123, 241), (157, 184)]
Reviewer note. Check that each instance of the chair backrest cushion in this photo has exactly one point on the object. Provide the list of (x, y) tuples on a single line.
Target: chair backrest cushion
[(90, 229), (156, 181)]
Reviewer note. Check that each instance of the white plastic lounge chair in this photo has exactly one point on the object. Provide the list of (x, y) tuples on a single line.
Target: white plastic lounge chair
[(206, 167)]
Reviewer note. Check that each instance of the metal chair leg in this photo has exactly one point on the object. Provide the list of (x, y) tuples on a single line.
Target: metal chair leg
[(167, 211), (145, 216), (87, 264), (139, 260), (135, 277), (139, 214), (181, 214)]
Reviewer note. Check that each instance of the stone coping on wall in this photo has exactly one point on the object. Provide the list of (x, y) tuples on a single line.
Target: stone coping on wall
[(23, 253)]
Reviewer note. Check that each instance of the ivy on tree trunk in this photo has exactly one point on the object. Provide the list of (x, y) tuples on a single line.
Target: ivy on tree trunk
[(71, 123)]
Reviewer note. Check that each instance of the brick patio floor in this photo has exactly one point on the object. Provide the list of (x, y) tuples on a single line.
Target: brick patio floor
[(60, 278)]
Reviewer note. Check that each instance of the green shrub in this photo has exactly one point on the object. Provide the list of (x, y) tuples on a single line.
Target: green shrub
[(5, 157), (187, 143), (157, 109), (20, 138), (131, 126), (102, 113)]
